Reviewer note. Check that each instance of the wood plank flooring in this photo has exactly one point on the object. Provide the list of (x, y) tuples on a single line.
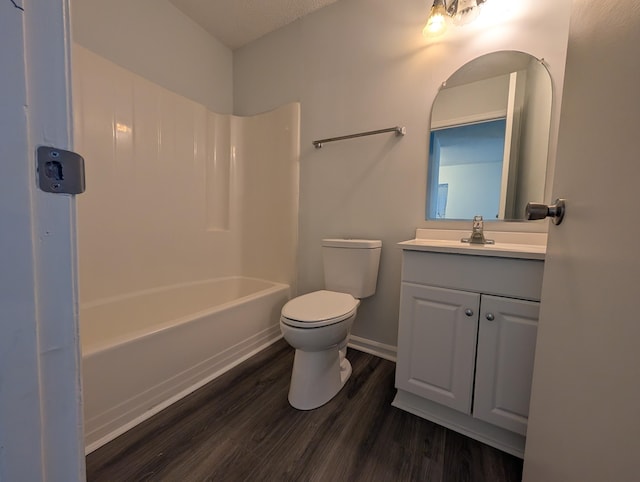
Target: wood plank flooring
[(240, 427)]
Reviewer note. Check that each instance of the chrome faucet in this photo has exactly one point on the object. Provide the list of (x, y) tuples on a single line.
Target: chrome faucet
[(477, 233)]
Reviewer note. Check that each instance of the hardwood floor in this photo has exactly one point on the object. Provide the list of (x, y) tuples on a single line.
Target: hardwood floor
[(240, 427)]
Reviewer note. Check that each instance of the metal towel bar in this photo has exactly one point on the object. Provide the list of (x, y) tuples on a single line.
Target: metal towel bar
[(400, 131)]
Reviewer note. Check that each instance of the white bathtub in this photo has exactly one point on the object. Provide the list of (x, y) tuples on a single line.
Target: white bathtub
[(144, 351)]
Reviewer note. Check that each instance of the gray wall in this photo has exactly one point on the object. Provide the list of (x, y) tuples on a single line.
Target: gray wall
[(154, 39), (358, 65)]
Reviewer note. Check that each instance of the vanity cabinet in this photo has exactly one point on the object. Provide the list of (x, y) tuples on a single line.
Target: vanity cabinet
[(466, 343)]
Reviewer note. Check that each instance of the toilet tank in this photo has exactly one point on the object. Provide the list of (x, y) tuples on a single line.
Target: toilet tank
[(351, 265)]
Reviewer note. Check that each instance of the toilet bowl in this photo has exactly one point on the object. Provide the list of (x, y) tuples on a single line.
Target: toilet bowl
[(318, 324)]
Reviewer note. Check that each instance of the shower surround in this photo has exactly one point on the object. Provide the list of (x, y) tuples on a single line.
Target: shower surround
[(187, 240)]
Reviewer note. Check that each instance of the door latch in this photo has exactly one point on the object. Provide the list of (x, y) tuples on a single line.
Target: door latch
[(60, 171)]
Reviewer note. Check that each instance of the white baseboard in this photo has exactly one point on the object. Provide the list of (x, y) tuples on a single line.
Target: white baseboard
[(388, 352)]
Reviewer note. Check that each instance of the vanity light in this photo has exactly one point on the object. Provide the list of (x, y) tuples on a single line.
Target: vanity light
[(464, 11), (442, 11), (438, 19)]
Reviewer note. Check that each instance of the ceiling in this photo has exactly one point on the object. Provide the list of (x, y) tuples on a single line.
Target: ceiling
[(238, 22)]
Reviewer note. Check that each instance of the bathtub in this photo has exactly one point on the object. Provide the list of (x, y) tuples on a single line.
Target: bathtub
[(144, 351)]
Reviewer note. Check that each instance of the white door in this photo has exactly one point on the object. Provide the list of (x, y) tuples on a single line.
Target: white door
[(40, 416), (584, 422)]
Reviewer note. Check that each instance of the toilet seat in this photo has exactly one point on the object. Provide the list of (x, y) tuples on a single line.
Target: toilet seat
[(317, 309)]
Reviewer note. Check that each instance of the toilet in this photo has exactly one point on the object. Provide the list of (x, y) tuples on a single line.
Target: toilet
[(318, 324)]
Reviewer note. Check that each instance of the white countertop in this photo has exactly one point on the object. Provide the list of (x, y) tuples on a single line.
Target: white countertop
[(508, 244)]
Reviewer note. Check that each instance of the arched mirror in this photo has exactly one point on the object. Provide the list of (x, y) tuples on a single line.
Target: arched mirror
[(489, 139)]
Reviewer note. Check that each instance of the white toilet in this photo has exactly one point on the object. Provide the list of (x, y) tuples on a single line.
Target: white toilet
[(318, 324)]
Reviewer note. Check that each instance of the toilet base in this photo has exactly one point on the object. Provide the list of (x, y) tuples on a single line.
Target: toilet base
[(317, 377)]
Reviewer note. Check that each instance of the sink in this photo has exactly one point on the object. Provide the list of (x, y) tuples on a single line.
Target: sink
[(507, 244)]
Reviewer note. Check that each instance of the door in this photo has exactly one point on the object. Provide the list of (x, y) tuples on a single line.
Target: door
[(504, 363), (40, 416), (584, 422), (437, 339)]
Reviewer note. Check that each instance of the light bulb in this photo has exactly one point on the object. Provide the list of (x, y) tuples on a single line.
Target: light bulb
[(466, 11), (438, 20)]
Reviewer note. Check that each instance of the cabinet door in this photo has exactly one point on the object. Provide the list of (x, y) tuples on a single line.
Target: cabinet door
[(504, 366), (437, 344)]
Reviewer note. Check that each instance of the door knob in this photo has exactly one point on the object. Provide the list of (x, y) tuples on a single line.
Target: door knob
[(540, 211)]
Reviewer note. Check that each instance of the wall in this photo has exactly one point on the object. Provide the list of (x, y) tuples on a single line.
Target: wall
[(359, 65), (177, 193), (154, 39)]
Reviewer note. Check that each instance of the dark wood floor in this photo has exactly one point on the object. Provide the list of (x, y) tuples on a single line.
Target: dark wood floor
[(240, 427)]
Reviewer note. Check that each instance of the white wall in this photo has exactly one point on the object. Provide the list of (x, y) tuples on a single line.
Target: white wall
[(358, 65), (152, 38)]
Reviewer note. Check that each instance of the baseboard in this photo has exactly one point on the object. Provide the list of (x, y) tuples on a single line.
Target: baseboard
[(388, 352), (242, 351)]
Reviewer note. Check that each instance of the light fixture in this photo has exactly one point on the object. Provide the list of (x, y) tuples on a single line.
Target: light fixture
[(464, 11), (438, 19), (442, 11)]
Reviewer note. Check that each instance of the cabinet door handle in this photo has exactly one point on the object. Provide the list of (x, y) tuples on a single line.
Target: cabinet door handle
[(468, 312), (490, 317)]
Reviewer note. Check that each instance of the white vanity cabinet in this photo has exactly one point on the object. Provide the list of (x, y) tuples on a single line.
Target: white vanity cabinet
[(466, 342)]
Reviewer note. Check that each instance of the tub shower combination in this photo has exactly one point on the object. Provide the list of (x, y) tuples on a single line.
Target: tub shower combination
[(174, 288)]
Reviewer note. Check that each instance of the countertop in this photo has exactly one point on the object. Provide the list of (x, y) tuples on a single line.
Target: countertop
[(507, 244)]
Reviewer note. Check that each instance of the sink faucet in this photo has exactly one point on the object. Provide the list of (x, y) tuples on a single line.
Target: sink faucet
[(477, 233)]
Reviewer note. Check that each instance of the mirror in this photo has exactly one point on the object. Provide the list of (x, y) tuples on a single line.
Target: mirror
[(489, 139)]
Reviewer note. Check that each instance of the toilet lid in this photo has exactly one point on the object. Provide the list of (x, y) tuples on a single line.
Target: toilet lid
[(319, 308)]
